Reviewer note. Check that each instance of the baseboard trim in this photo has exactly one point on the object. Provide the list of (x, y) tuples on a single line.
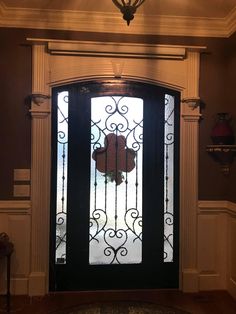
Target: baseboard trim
[(37, 284), (232, 288), (190, 280), (19, 286), (209, 282)]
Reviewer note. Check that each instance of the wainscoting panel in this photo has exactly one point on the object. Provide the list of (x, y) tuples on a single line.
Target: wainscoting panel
[(216, 246), (15, 220), (207, 238), (232, 256)]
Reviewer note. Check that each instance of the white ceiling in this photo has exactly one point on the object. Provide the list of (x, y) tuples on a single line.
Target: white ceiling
[(216, 18)]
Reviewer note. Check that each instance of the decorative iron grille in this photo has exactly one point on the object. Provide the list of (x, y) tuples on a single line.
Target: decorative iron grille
[(116, 180), (62, 165), (115, 230), (169, 178)]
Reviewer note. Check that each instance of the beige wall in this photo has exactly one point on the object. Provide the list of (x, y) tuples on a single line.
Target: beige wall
[(216, 91), (231, 99), (215, 240)]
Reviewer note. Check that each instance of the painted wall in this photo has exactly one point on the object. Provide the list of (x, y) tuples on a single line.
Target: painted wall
[(216, 69), (231, 99), (218, 66)]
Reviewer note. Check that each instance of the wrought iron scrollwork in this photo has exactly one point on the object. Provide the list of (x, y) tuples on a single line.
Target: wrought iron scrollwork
[(62, 146), (122, 139), (115, 218), (168, 178)]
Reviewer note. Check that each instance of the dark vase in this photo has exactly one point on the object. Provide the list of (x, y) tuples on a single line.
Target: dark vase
[(222, 133)]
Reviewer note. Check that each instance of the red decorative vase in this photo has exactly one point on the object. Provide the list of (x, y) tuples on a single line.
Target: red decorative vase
[(222, 133)]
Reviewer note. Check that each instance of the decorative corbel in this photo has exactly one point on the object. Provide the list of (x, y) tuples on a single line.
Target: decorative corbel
[(38, 98), (193, 102)]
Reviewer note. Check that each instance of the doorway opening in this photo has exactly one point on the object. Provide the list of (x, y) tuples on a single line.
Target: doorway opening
[(115, 186)]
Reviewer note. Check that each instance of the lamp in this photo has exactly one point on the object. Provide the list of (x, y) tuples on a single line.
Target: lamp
[(223, 154), (128, 8), (223, 149)]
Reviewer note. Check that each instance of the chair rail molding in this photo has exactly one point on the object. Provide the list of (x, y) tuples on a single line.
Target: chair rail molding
[(14, 206), (57, 63)]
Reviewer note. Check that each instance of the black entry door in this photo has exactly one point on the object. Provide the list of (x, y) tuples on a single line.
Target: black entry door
[(114, 187)]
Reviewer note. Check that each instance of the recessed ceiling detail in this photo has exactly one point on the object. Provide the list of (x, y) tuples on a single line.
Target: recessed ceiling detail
[(212, 18)]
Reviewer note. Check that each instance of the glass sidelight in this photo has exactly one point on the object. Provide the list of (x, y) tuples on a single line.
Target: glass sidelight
[(169, 179), (61, 177)]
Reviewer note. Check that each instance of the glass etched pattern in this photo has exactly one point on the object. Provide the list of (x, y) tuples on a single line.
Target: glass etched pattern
[(61, 194), (116, 180), (169, 178)]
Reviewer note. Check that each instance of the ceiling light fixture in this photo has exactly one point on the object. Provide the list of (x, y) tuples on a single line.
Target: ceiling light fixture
[(128, 8)]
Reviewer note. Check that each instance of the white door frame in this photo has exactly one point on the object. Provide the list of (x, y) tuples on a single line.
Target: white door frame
[(56, 63)]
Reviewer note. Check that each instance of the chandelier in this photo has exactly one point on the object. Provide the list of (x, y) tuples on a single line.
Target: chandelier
[(128, 8)]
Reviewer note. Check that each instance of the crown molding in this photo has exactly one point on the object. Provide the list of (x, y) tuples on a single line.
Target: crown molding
[(112, 22)]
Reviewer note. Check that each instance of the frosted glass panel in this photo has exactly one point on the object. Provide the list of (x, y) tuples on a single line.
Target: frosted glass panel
[(115, 230), (116, 180), (168, 178), (61, 194)]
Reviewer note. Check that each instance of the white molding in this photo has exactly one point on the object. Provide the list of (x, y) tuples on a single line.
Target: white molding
[(231, 22), (220, 206), (190, 280), (40, 174), (37, 282), (41, 113), (38, 98), (102, 22), (21, 190), (188, 202), (209, 282), (181, 75), (189, 126), (10, 206), (221, 235), (21, 174), (232, 288), (113, 49), (231, 207), (110, 49), (192, 102), (19, 286)]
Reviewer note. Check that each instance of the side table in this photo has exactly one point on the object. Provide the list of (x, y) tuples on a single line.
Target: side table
[(6, 249)]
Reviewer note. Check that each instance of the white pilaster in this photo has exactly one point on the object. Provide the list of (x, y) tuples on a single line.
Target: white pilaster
[(40, 169), (188, 201), (189, 129)]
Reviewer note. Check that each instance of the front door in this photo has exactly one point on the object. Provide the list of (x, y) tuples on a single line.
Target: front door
[(114, 186)]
